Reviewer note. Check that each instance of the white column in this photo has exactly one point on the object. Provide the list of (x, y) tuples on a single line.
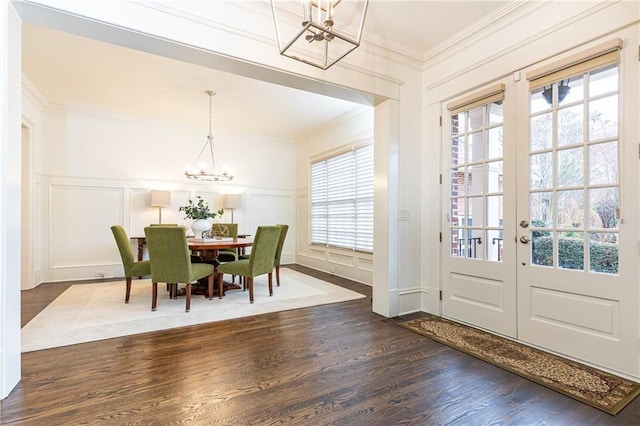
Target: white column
[(385, 239)]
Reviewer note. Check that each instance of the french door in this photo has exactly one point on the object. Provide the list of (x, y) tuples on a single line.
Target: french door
[(560, 197), (479, 275)]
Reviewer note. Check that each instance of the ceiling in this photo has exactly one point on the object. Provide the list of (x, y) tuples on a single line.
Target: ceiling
[(79, 72)]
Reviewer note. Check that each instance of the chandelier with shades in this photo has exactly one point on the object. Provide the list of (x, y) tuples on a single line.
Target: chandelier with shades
[(202, 170), (318, 32)]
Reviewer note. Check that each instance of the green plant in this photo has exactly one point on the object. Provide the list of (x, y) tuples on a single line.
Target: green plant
[(199, 210)]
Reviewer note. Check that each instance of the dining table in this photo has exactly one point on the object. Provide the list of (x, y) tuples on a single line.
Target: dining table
[(210, 246)]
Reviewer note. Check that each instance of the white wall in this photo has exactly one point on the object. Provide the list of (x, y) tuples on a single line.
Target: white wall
[(97, 170), (10, 176)]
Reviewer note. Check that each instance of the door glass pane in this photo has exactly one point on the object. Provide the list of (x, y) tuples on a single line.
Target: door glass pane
[(457, 151), (457, 242), (570, 125), (494, 211), (474, 147), (476, 211), (541, 247), (457, 182), (541, 208), (571, 250), (570, 212), (603, 81), (603, 118), (494, 176), (458, 212), (540, 132), (476, 243), (603, 252), (494, 246), (475, 119), (494, 143), (537, 103), (603, 163), (475, 180), (604, 205), (574, 92), (495, 113), (570, 167), (541, 170)]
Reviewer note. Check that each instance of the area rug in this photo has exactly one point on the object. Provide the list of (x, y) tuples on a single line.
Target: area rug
[(597, 388), (90, 312)]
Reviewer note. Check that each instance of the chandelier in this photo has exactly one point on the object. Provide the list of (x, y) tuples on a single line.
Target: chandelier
[(319, 33), (201, 170)]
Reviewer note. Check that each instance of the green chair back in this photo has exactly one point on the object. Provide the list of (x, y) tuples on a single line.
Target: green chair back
[(227, 255), (281, 238), (263, 252), (169, 254), (231, 227), (131, 267)]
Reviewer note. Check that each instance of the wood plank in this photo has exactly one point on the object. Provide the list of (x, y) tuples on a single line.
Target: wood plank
[(337, 363)]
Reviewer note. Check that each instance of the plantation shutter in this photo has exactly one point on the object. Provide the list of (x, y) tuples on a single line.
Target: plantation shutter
[(342, 199)]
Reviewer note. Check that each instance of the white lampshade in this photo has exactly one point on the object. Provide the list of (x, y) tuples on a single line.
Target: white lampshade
[(232, 201), (160, 198)]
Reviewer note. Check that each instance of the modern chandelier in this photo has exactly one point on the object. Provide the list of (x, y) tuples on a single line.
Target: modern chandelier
[(202, 170), (318, 32)]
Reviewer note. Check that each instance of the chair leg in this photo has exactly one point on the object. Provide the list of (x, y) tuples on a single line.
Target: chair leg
[(128, 291), (154, 296), (278, 275), (270, 284), (250, 285), (188, 297)]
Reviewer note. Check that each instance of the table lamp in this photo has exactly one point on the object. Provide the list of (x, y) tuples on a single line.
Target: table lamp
[(231, 202), (160, 199)]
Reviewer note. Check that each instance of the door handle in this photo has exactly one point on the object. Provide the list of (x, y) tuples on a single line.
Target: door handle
[(524, 239), (524, 224)]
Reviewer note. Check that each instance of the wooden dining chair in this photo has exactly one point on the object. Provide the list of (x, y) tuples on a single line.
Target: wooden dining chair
[(263, 254), (171, 262), (131, 267)]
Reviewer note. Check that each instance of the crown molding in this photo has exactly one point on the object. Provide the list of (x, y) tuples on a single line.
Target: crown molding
[(32, 92), (473, 29)]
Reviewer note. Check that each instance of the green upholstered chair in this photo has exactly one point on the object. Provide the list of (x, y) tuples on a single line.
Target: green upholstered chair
[(276, 260), (227, 255), (131, 267), (171, 262), (263, 253)]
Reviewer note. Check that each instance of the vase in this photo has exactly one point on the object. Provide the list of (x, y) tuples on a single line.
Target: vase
[(199, 226)]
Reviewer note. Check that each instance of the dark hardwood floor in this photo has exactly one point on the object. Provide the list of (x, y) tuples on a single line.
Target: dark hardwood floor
[(331, 364)]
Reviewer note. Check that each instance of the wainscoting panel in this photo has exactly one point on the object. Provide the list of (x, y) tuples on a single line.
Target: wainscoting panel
[(80, 222)]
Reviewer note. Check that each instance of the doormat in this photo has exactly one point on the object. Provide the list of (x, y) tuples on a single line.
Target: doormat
[(602, 390)]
